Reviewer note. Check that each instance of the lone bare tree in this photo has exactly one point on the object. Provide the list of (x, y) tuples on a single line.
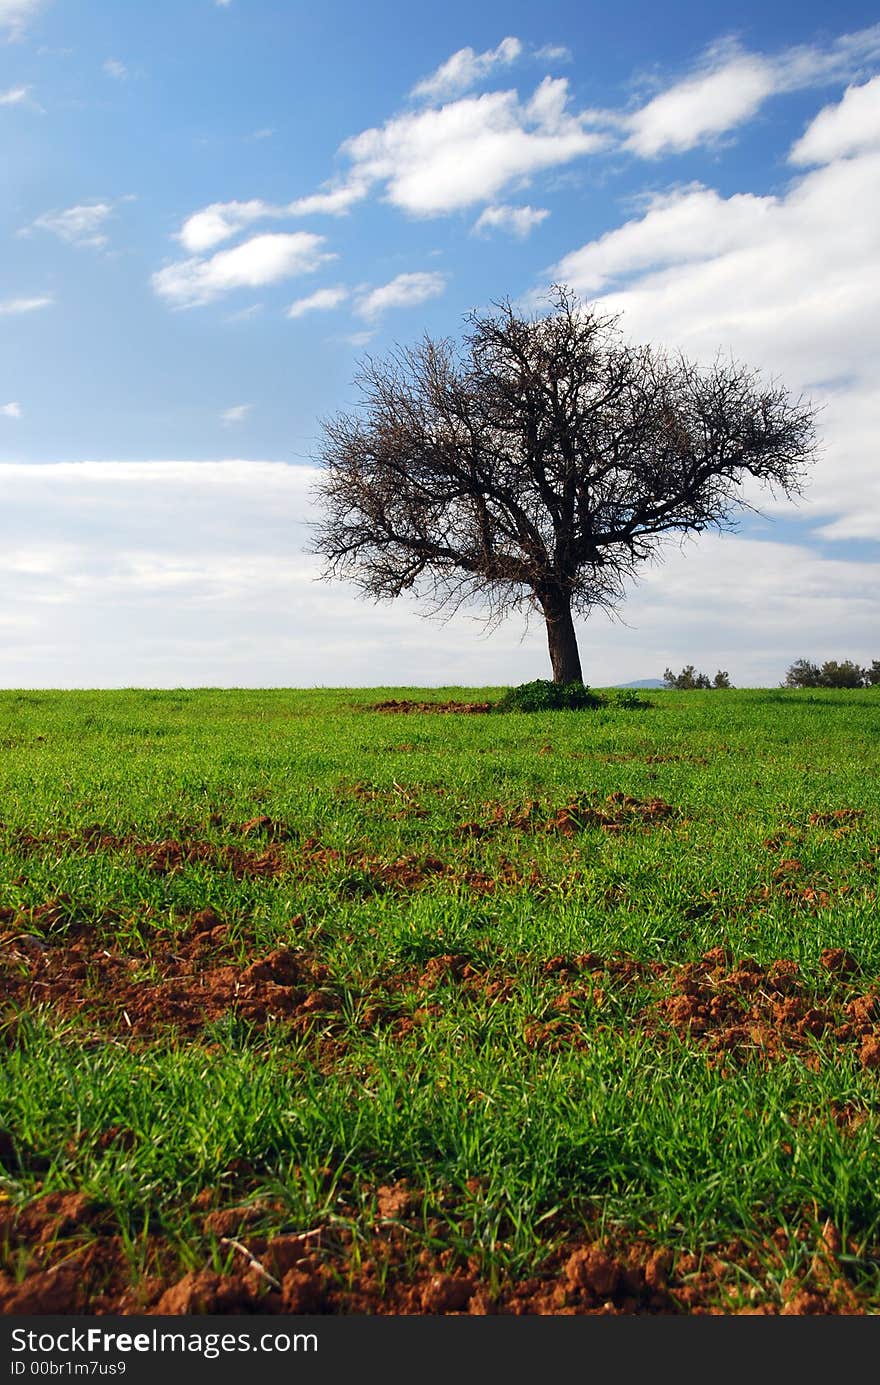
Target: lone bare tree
[(540, 462)]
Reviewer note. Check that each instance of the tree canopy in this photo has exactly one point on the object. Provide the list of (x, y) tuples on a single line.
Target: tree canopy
[(540, 462), (844, 673)]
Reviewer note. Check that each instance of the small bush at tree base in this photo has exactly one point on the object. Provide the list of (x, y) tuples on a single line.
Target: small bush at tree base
[(689, 678), (543, 695)]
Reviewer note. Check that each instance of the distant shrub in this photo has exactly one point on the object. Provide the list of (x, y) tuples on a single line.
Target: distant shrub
[(544, 696), (803, 674), (833, 674), (689, 679)]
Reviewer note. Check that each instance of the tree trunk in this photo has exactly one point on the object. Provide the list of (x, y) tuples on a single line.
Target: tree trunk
[(561, 638)]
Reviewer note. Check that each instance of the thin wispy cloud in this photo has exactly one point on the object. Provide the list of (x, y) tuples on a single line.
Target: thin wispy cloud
[(15, 15), (116, 69), (554, 53), (465, 68), (320, 302), (222, 220), (355, 339), (236, 414), (80, 225), (12, 307), (262, 260), (14, 96), (403, 291), (515, 221), (11, 410)]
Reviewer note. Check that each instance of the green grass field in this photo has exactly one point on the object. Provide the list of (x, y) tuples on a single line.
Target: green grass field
[(560, 1012)]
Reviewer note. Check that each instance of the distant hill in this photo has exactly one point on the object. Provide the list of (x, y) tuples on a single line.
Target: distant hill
[(643, 683)]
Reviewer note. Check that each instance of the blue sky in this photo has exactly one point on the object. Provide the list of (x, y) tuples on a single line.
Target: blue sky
[(210, 211)]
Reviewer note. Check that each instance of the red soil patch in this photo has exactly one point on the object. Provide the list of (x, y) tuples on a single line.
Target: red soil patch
[(73, 1262), (839, 817), (619, 812), (763, 1011), (173, 853), (361, 871), (404, 706), (182, 989), (790, 882)]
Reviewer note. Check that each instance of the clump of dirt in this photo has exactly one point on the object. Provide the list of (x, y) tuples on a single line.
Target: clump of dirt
[(790, 882), (618, 812), (840, 821), (404, 706), (362, 872), (403, 1000), (397, 802), (838, 817), (133, 996), (174, 853), (748, 1009), (72, 1261)]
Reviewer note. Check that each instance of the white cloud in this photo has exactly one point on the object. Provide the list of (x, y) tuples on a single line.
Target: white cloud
[(12, 410), (356, 339), (209, 227), (788, 283), (114, 68), (404, 291), (746, 605), (265, 259), (467, 151), (554, 53), (731, 84), (701, 107), (848, 127), (11, 307), (335, 201), (15, 14), (237, 414), (221, 220), (465, 68), (516, 221), (13, 96), (79, 225), (321, 301), (244, 314), (437, 161), (679, 226), (175, 595)]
